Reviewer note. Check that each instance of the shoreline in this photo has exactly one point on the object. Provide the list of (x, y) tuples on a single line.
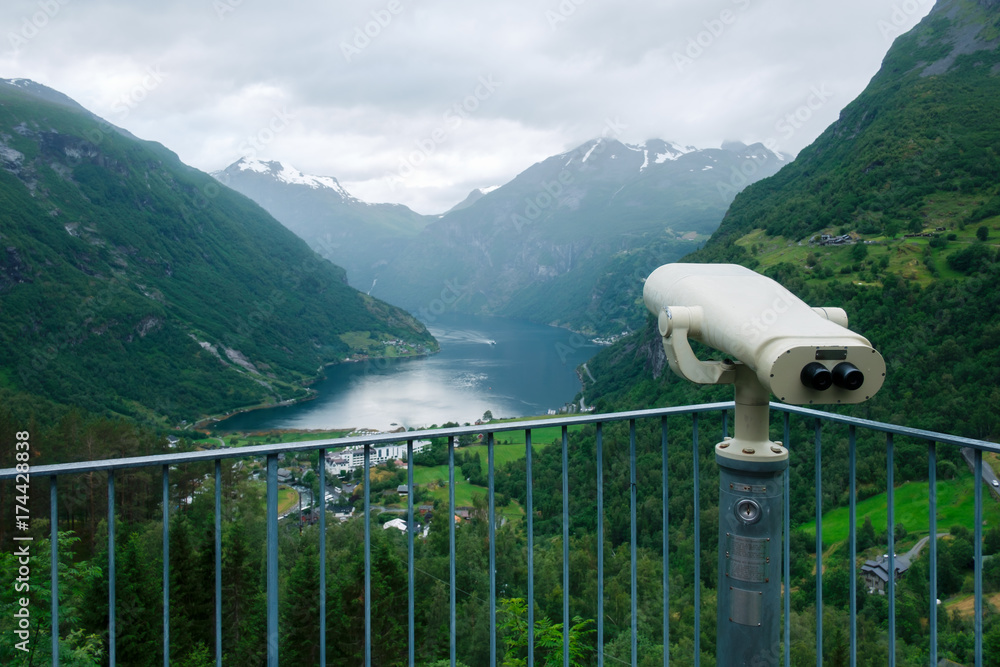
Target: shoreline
[(206, 422)]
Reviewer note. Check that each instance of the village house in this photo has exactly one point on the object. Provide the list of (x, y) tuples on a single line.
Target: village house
[(876, 572)]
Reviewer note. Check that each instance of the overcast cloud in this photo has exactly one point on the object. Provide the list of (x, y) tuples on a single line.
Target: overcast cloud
[(420, 101)]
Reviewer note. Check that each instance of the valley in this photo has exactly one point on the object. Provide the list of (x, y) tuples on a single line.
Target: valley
[(152, 308)]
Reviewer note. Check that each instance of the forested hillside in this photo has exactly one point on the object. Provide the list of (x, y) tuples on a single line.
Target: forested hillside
[(908, 175), (131, 284)]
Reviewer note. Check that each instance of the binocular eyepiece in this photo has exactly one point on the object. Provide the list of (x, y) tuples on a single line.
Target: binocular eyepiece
[(845, 375)]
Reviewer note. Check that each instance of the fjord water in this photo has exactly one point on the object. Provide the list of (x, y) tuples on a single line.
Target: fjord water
[(511, 368)]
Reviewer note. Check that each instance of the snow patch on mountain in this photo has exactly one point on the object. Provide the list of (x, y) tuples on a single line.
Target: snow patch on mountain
[(286, 173), (252, 164), (592, 148)]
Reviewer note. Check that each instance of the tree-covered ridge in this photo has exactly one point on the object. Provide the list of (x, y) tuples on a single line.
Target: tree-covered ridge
[(134, 284), (927, 123)]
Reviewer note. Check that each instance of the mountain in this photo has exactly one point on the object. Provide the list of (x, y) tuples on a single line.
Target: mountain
[(132, 284), (909, 174), (923, 132), (356, 235), (473, 197), (547, 245)]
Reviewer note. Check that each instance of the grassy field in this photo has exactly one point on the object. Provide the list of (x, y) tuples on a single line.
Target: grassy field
[(287, 499), (904, 255), (955, 506), (435, 480), (965, 604)]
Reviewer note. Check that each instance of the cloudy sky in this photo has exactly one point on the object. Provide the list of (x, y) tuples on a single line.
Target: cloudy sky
[(420, 101)]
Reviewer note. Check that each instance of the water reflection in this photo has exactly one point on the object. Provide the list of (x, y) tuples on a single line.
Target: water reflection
[(508, 367)]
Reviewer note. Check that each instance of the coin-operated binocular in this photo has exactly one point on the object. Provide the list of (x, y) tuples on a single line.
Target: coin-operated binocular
[(772, 342)]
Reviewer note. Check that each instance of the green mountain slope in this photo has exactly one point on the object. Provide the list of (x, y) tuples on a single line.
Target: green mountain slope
[(911, 172), (926, 126), (544, 247), (133, 284), (356, 235)]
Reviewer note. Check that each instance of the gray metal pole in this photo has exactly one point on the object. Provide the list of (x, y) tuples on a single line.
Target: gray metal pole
[(272, 560), (218, 562), (54, 565), (166, 566), (751, 504), (112, 633)]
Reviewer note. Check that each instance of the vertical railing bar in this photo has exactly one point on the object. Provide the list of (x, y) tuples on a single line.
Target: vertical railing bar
[(218, 562), (932, 497), (410, 595), (632, 542), (451, 547), (54, 574), (492, 520), (111, 568), (786, 547), (272, 560), (725, 424), (368, 555), (529, 507), (166, 566), (853, 541), (600, 544), (891, 519), (818, 481), (697, 541), (565, 544), (978, 556), (666, 541), (322, 555)]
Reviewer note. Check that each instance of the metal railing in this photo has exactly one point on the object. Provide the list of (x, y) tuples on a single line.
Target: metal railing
[(271, 452)]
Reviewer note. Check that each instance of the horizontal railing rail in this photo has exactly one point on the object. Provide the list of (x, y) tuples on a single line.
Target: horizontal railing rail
[(489, 431)]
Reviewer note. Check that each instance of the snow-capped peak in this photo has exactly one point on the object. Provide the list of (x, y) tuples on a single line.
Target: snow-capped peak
[(489, 189), (255, 165), (660, 150), (673, 151), (286, 173)]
